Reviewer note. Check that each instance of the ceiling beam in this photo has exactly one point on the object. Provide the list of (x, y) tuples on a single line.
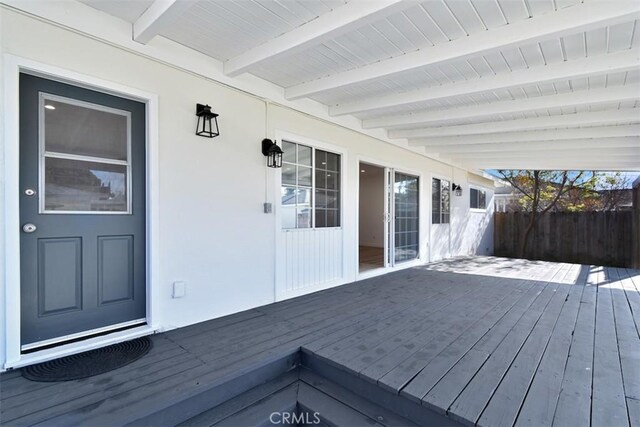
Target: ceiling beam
[(158, 17), (579, 119), (326, 27), (628, 153), (564, 100), (620, 164), (575, 19), (562, 144), (580, 68), (533, 135)]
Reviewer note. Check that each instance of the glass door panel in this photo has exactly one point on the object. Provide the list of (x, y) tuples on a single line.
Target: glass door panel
[(406, 222)]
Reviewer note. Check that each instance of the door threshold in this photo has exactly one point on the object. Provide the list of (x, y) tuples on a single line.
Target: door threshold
[(79, 336), (384, 270), (39, 356)]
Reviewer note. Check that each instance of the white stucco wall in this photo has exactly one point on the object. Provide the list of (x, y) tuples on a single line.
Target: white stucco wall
[(213, 233)]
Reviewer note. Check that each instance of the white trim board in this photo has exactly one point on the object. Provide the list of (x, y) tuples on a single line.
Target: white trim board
[(13, 66)]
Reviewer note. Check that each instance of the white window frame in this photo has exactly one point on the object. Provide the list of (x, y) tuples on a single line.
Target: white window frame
[(43, 154), (440, 178), (484, 190), (314, 148)]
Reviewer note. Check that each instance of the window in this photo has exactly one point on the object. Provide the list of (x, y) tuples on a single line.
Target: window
[(310, 187), (85, 153), (477, 199), (440, 197)]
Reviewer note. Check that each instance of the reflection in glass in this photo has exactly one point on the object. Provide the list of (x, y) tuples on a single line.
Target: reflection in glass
[(288, 196), (72, 185), (289, 152), (304, 176), (304, 155), (288, 174), (406, 193), (289, 217), (84, 131)]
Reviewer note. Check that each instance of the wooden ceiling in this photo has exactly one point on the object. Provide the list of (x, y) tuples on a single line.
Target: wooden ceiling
[(547, 84)]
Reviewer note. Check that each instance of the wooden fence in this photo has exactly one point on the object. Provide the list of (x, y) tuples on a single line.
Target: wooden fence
[(599, 238)]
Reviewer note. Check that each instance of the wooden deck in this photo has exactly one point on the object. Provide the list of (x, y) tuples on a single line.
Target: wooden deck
[(483, 340)]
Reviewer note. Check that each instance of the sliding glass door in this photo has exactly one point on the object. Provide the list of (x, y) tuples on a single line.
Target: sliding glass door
[(402, 217), (407, 220)]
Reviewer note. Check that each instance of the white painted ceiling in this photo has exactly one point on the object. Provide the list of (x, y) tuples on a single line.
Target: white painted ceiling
[(459, 77)]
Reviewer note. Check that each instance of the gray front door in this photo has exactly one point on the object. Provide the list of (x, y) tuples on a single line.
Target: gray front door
[(82, 212)]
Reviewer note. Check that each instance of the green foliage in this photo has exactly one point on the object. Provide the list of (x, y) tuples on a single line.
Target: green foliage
[(570, 191)]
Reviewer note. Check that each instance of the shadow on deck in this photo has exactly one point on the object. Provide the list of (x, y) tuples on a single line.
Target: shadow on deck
[(481, 340)]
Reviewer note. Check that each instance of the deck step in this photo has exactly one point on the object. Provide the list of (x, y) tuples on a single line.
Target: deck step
[(311, 392)]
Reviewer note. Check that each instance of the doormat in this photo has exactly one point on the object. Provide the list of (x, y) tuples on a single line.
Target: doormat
[(89, 363)]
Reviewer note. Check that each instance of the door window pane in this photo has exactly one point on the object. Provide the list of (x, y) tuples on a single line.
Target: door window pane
[(288, 174), (406, 201), (304, 218), (304, 155), (435, 201), (72, 185), (440, 201), (328, 189), (317, 201), (473, 198), (289, 149), (333, 218), (85, 129), (304, 176), (288, 196), (333, 162), (289, 217)]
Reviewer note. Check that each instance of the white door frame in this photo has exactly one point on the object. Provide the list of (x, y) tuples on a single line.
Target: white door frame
[(423, 233), (13, 66)]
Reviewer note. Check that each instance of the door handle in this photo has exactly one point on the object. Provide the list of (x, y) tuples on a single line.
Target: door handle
[(29, 228)]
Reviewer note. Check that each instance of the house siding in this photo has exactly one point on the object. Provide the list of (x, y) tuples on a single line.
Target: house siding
[(213, 234)]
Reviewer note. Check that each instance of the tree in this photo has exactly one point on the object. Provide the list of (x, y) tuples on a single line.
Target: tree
[(541, 191), (613, 190)]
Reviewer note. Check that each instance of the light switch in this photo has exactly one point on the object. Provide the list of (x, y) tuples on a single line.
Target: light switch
[(179, 289)]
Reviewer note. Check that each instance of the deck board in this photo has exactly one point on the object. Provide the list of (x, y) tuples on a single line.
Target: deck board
[(544, 391), (489, 340), (469, 405), (608, 400)]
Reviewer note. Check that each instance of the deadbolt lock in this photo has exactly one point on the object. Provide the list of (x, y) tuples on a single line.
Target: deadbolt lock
[(30, 192), (29, 228)]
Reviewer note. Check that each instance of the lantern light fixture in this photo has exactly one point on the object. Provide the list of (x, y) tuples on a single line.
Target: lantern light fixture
[(207, 122), (457, 189), (272, 152)]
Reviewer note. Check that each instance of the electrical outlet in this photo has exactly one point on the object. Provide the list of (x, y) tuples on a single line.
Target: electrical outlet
[(179, 290)]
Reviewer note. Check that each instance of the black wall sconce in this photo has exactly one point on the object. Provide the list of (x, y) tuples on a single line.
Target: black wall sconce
[(273, 153), (457, 189), (207, 122)]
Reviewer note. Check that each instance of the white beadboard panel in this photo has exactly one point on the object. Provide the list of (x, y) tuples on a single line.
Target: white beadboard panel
[(224, 29), (530, 56), (420, 26), (558, 87), (309, 259), (129, 11)]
